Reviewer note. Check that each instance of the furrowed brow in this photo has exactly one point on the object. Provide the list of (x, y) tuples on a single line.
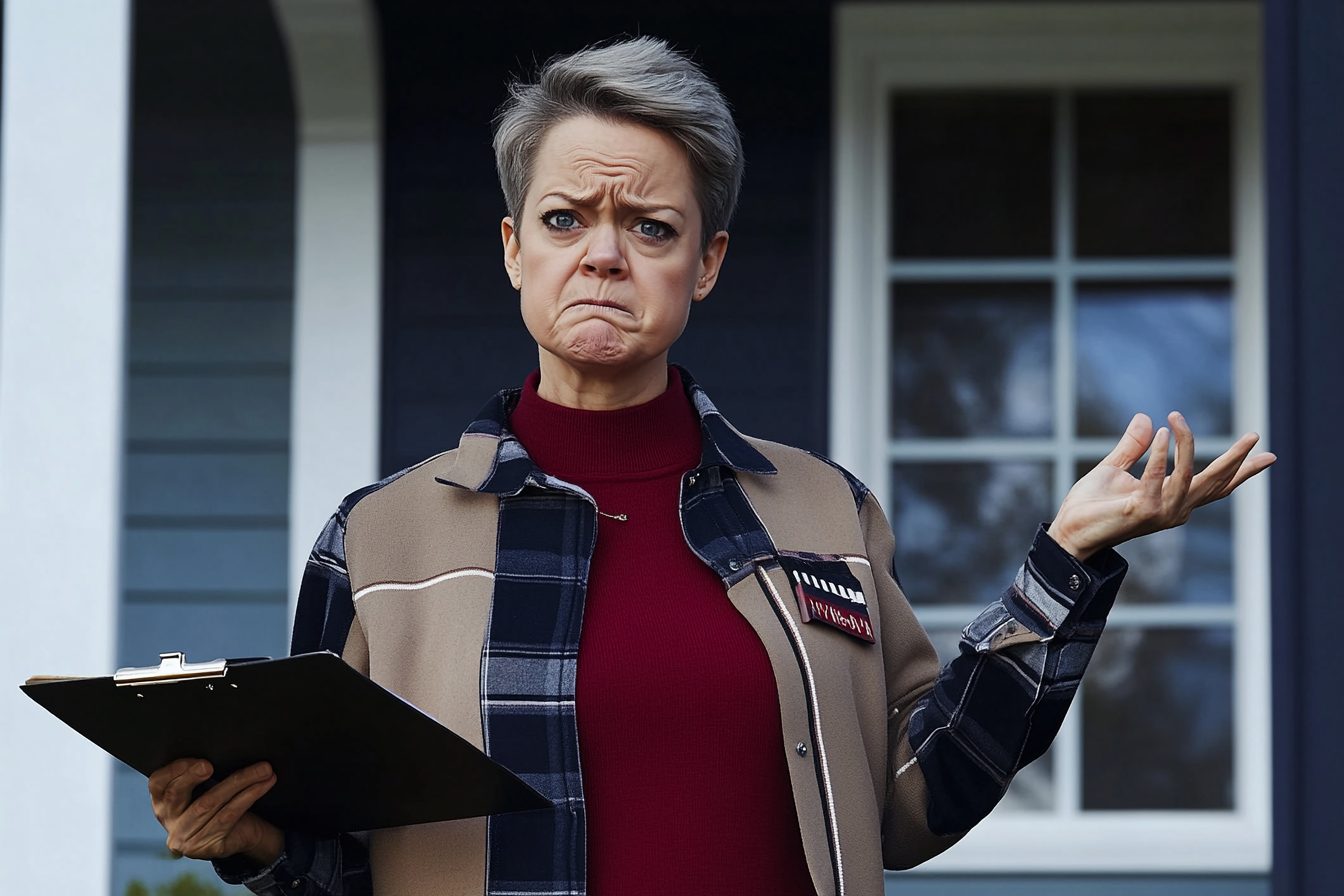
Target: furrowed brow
[(588, 200)]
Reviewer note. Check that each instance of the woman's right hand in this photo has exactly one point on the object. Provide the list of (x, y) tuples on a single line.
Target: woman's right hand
[(217, 824)]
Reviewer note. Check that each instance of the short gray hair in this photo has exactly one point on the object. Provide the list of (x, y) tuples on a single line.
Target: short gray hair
[(640, 81)]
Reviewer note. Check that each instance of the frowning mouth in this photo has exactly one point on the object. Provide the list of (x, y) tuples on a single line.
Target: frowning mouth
[(598, 303)]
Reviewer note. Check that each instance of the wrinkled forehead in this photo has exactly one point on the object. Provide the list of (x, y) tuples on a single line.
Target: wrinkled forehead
[(591, 159)]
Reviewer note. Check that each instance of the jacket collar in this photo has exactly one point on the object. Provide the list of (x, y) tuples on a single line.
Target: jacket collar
[(490, 458)]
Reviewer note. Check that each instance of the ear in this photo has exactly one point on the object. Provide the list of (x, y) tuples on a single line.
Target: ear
[(512, 264), (711, 262)]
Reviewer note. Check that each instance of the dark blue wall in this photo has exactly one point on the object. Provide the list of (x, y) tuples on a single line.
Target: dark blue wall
[(205, 533), (452, 333), (1305, 104)]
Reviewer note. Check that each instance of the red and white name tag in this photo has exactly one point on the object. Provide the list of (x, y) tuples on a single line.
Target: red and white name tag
[(829, 593)]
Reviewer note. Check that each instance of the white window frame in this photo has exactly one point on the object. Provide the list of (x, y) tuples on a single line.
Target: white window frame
[(883, 47)]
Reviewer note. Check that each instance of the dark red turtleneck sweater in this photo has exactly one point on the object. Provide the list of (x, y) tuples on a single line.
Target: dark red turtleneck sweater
[(684, 773)]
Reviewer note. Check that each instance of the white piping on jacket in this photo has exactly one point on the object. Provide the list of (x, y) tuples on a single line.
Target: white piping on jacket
[(416, 586), (820, 744)]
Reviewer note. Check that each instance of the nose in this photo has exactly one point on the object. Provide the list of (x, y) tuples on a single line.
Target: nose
[(604, 255)]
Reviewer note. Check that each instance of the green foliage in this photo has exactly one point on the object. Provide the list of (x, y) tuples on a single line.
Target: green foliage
[(183, 885)]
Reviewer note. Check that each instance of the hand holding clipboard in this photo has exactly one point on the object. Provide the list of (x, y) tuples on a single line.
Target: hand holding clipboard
[(348, 755)]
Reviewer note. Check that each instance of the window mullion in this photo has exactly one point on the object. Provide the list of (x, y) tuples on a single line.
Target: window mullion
[(1067, 751)]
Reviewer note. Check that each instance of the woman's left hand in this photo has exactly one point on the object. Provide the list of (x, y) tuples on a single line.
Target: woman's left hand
[(1109, 506)]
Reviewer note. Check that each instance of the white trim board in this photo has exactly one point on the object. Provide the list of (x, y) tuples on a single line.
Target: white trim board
[(880, 47), (62, 308), (333, 53)]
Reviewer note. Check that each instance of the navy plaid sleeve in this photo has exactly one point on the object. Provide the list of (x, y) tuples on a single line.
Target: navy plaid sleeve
[(326, 607), (309, 866), (997, 706)]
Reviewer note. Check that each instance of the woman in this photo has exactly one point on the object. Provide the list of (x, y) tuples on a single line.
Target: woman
[(605, 568)]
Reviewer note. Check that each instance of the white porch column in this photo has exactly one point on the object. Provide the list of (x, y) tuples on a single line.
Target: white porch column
[(333, 55), (63, 173)]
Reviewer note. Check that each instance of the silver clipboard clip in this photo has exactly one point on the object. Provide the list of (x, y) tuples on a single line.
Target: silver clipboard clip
[(171, 667)]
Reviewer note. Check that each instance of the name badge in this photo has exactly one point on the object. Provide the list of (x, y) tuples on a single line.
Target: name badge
[(829, 593)]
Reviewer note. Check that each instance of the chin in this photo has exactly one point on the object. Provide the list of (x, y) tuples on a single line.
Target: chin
[(596, 342), (595, 355)]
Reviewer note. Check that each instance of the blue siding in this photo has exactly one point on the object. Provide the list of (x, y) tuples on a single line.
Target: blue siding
[(206, 476), (214, 484), (1305, 137)]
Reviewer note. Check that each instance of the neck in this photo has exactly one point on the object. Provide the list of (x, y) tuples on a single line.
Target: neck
[(581, 445), (598, 388)]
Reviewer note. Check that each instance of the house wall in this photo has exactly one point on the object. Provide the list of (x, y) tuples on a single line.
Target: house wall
[(1305, 137), (62, 285), (209, 332), (210, 276), (451, 330)]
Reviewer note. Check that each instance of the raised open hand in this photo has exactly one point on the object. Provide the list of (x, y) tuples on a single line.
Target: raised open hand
[(1109, 505)]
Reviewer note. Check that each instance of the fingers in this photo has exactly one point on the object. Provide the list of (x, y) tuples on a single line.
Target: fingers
[(208, 833), (1177, 486), (1138, 436), (170, 787), (202, 828), (1184, 467), (1230, 470), (1257, 464), (1155, 471), (216, 798)]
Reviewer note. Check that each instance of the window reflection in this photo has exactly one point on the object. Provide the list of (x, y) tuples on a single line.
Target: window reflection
[(1157, 720), (971, 174), (1155, 348), (971, 359), (1153, 173), (962, 529)]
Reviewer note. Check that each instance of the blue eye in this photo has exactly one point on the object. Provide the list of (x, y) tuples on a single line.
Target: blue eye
[(560, 220), (655, 230)]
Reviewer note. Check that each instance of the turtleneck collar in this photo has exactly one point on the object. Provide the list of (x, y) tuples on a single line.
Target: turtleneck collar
[(572, 443)]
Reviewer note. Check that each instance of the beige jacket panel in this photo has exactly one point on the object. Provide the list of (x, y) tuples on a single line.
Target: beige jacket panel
[(863, 692), (421, 558), (751, 600)]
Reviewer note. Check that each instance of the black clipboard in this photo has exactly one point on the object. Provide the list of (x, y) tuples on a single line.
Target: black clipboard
[(348, 754)]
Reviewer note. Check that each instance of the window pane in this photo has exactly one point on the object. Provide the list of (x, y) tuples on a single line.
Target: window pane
[(946, 641), (971, 175), (971, 359), (1191, 564), (1155, 348), (1154, 173), (1157, 720), (963, 529), (1033, 788)]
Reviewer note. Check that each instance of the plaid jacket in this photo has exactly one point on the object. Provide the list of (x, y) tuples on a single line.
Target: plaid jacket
[(459, 583)]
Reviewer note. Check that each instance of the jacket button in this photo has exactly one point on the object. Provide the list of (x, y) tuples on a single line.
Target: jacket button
[(1075, 582), (734, 565), (801, 748)]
